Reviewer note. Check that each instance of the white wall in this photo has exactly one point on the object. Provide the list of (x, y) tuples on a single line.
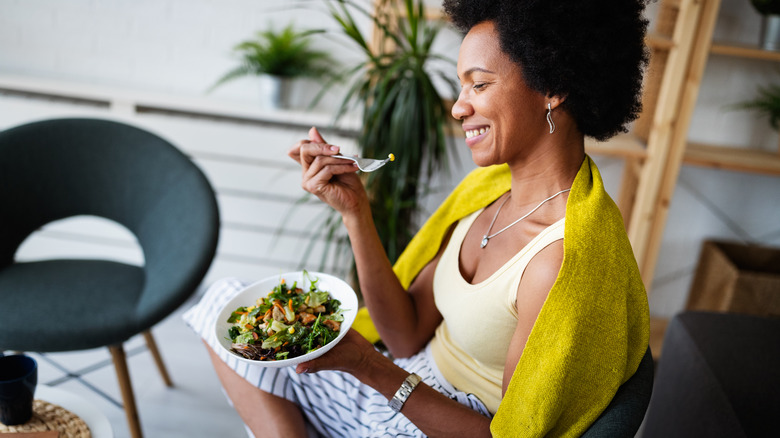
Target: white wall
[(178, 48), (171, 46)]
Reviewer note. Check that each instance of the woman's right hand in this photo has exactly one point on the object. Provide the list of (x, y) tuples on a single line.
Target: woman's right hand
[(333, 180)]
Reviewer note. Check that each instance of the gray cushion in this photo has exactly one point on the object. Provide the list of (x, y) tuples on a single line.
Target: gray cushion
[(78, 303)]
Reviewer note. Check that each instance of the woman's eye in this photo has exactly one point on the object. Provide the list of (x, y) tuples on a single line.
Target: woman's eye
[(479, 86)]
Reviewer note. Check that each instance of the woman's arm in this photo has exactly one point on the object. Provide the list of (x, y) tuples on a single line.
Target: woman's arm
[(538, 279), (405, 319)]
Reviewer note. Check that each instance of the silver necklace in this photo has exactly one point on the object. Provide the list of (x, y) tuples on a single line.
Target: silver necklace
[(489, 236)]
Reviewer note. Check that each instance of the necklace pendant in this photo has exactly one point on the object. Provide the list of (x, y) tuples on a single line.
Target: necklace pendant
[(484, 241)]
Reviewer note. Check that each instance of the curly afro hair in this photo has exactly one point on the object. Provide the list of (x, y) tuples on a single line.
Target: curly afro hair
[(592, 52)]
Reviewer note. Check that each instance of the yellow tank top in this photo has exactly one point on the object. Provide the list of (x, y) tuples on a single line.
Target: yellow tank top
[(470, 345)]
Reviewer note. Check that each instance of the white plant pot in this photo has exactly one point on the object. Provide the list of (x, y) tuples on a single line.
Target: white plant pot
[(275, 91), (770, 32)]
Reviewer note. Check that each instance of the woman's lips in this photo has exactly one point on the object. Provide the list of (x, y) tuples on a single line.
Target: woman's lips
[(475, 134)]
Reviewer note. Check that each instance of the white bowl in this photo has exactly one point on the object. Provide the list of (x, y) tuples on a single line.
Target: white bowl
[(337, 288)]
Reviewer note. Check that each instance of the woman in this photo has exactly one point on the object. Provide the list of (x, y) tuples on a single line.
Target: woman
[(518, 305)]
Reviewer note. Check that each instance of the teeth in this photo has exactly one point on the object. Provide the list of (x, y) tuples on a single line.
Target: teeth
[(475, 132)]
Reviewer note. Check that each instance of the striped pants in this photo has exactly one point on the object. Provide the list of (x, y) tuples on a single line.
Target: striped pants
[(335, 404)]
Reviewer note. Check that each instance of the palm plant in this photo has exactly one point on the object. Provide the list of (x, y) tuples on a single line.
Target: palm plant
[(401, 110)]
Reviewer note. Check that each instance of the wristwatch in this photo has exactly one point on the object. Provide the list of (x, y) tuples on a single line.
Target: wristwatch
[(398, 400)]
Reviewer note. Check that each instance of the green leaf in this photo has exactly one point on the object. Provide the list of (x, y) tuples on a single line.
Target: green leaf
[(766, 103), (235, 316), (245, 338)]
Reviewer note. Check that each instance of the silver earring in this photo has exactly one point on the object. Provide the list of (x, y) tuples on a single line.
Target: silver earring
[(549, 118)]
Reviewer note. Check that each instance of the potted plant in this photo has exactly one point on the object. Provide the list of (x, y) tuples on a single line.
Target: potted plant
[(402, 112), (770, 23), (767, 102), (277, 58)]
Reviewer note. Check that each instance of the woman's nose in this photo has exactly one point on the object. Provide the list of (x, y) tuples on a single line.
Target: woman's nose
[(462, 107)]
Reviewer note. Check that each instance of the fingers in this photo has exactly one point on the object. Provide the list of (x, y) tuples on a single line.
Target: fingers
[(348, 355), (304, 367), (318, 176), (314, 135), (305, 151), (324, 176)]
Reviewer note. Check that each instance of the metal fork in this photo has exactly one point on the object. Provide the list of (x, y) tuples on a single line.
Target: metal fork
[(367, 164)]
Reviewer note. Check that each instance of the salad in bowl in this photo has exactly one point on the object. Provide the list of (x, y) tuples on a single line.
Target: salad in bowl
[(287, 319)]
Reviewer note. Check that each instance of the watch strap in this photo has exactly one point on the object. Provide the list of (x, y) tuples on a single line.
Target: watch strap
[(398, 400)]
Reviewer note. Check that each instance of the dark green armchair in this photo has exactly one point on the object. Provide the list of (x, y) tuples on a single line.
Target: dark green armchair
[(60, 168), (625, 413)]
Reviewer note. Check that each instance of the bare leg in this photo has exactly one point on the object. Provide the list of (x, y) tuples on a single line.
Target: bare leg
[(266, 414)]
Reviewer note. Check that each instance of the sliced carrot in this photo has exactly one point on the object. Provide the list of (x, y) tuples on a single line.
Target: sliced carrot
[(276, 304)]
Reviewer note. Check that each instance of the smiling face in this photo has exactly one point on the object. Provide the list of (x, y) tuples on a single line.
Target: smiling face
[(503, 118)]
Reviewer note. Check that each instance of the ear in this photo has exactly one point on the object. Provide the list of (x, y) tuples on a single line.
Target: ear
[(554, 100)]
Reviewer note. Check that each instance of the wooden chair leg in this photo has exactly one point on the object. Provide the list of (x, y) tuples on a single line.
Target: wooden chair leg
[(122, 374), (152, 345)]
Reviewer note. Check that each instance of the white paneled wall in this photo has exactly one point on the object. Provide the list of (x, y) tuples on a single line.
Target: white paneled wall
[(255, 181), (169, 52)]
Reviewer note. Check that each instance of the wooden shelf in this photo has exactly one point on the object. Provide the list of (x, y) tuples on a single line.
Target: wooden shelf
[(696, 154), (621, 146), (744, 51), (731, 158), (737, 50), (659, 42)]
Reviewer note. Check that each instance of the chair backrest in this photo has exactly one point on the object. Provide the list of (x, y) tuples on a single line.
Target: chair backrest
[(625, 412), (59, 168), (719, 376)]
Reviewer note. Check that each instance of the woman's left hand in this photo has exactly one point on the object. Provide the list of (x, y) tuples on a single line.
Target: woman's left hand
[(352, 354), (433, 412)]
